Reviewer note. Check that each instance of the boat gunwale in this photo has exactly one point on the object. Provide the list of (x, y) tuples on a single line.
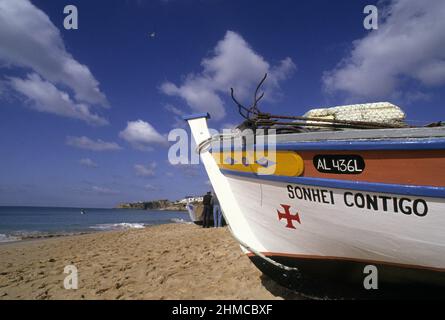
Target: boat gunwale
[(340, 145)]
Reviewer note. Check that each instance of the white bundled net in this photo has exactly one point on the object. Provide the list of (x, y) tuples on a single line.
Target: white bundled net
[(379, 112)]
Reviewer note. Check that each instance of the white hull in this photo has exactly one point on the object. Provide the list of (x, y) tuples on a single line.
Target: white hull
[(338, 231), (331, 230)]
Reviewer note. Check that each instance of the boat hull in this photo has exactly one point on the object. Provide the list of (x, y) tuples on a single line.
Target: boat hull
[(195, 212), (332, 240), (332, 230)]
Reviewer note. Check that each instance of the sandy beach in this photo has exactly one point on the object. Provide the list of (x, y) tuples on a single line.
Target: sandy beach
[(172, 261)]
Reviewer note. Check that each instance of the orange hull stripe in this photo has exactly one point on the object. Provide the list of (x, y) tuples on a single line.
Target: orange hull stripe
[(419, 167)]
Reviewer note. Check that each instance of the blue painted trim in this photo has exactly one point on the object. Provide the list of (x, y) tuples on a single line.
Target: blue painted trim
[(417, 144), (425, 191), (196, 116), (413, 144)]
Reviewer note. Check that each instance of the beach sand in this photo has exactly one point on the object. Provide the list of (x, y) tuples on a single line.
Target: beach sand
[(173, 261)]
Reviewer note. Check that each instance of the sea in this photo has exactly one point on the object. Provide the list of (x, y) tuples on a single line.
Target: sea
[(23, 223)]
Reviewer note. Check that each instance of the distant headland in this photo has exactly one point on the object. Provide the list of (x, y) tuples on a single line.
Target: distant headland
[(162, 204)]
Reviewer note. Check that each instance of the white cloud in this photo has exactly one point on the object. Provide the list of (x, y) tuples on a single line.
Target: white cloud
[(233, 64), (89, 144), (174, 110), (145, 171), (178, 121), (141, 135), (150, 187), (87, 162), (29, 39), (103, 191), (409, 44), (43, 96)]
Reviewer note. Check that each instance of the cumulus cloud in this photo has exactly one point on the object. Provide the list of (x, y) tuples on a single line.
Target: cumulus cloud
[(233, 64), (43, 96), (87, 162), (30, 41), (409, 44), (141, 135), (89, 144), (145, 171)]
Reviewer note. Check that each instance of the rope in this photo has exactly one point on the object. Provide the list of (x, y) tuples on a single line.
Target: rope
[(255, 118), (262, 256), (207, 142), (327, 122)]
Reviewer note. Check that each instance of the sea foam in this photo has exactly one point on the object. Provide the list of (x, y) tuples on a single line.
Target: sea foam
[(118, 226), (7, 238), (179, 220)]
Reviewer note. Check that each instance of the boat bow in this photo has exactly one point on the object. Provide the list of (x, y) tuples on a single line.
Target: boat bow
[(228, 202)]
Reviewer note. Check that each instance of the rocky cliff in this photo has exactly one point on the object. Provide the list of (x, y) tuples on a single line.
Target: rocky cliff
[(153, 205)]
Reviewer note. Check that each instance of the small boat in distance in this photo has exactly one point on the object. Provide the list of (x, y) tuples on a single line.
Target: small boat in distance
[(82, 211), (195, 211)]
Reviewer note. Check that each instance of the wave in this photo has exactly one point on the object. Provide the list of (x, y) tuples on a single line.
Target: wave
[(118, 226), (8, 238), (21, 235), (31, 235), (180, 220)]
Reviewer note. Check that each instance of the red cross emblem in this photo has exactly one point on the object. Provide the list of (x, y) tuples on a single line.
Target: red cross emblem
[(288, 216)]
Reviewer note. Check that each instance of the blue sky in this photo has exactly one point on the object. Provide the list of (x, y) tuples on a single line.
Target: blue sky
[(84, 113)]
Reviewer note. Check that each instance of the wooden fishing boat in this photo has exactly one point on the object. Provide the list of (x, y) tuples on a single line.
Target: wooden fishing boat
[(334, 201)]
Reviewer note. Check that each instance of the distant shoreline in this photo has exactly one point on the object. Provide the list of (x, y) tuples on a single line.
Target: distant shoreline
[(172, 208), (158, 205), (158, 209)]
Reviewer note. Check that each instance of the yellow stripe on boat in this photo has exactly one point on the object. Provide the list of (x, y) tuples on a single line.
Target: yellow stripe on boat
[(280, 163)]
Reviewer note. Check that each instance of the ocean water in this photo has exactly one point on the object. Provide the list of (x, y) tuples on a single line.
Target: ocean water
[(20, 223)]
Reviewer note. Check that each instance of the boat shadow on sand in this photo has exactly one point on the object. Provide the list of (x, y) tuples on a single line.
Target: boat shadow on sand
[(317, 290)]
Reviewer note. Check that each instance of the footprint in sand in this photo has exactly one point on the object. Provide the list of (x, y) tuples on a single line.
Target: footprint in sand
[(100, 291)]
